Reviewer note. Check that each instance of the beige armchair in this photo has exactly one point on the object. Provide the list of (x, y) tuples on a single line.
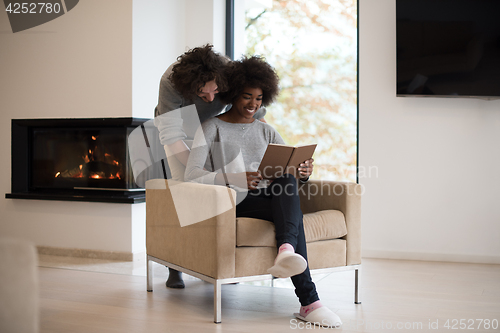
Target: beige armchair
[(223, 249)]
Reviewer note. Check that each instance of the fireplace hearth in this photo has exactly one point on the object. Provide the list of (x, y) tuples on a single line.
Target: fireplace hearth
[(74, 159)]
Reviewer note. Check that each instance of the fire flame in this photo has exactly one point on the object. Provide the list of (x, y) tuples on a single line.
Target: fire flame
[(79, 171)]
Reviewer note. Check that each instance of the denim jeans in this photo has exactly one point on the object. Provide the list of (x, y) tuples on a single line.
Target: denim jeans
[(280, 203)]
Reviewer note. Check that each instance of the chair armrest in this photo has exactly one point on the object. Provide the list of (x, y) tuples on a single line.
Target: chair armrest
[(317, 195), (192, 225)]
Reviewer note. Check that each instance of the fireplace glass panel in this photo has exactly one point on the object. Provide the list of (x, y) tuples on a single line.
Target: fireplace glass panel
[(68, 158)]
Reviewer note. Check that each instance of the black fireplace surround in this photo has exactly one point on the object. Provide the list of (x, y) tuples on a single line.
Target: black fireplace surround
[(74, 159)]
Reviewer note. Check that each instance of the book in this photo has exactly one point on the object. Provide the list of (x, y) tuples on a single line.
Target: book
[(280, 159)]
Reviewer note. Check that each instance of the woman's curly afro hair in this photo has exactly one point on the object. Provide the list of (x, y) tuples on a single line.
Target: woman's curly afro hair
[(197, 67), (252, 72)]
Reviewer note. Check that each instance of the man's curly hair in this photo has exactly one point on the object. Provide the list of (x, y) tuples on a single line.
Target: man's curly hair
[(252, 72), (197, 67)]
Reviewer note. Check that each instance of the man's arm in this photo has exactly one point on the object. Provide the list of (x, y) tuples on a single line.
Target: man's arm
[(180, 150), (169, 121)]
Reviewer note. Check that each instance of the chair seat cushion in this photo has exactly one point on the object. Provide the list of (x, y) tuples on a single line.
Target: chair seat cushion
[(256, 260), (322, 225)]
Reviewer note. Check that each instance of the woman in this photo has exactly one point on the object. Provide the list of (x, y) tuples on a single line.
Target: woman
[(235, 133), (195, 79)]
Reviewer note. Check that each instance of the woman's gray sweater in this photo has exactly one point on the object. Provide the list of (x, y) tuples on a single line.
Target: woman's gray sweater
[(220, 146)]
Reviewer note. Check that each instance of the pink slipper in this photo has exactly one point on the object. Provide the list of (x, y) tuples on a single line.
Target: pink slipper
[(322, 316), (288, 264)]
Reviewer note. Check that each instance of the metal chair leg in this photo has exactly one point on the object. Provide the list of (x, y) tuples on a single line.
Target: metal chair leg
[(217, 302), (149, 269), (273, 279), (356, 287)]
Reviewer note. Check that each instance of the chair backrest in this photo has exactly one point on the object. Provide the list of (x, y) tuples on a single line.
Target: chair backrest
[(147, 155)]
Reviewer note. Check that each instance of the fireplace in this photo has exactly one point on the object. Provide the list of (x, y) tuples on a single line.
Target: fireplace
[(74, 159)]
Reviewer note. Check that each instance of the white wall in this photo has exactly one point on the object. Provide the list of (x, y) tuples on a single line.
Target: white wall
[(205, 23), (158, 38), (163, 30), (71, 66), (76, 66), (435, 197)]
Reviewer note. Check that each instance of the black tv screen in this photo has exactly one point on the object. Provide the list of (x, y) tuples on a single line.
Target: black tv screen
[(448, 48)]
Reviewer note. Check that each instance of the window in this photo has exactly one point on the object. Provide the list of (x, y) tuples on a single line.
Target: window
[(313, 47)]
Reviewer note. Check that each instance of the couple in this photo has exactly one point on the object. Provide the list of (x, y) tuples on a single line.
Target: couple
[(246, 85)]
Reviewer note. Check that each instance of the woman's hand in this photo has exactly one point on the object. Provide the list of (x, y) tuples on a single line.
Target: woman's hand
[(253, 180), (248, 180), (306, 169)]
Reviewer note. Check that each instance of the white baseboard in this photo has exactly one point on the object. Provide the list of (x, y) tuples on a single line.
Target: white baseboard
[(93, 254), (425, 256)]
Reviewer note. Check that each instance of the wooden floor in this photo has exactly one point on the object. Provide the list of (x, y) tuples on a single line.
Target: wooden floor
[(405, 296)]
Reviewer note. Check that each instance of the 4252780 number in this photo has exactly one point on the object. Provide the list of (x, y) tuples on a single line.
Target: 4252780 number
[(471, 324), (33, 8)]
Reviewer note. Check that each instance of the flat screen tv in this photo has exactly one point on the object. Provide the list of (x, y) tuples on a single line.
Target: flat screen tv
[(448, 48)]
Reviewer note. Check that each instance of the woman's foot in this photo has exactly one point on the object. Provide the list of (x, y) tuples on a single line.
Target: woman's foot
[(305, 310), (287, 263), (174, 279), (320, 315)]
